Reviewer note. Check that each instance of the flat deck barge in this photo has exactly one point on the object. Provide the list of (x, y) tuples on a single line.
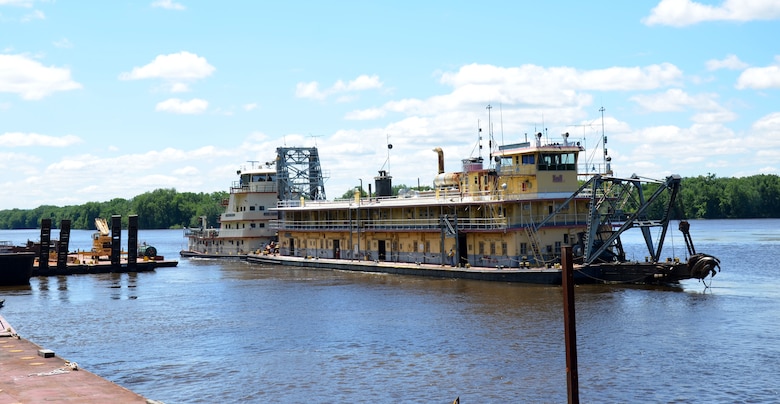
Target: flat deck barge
[(31, 374), (83, 263)]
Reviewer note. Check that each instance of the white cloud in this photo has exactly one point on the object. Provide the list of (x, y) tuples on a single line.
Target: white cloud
[(175, 67), (168, 4), (178, 106), (63, 43), (731, 62), (34, 15), (250, 107), (760, 78), (31, 80), (769, 124), (675, 99), (366, 114), (19, 139), (186, 171), (103, 178), (609, 79), (311, 90), (531, 93), (18, 3), (362, 82), (179, 88), (680, 13)]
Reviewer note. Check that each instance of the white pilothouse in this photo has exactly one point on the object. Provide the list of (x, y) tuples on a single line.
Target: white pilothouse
[(245, 225)]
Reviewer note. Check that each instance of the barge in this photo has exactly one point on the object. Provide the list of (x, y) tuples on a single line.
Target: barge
[(16, 267)]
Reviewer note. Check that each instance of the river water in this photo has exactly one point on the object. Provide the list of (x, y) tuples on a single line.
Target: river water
[(229, 331)]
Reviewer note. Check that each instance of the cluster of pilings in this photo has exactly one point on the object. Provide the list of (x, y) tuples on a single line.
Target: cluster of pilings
[(116, 264)]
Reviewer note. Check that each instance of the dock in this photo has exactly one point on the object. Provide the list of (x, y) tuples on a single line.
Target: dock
[(31, 374)]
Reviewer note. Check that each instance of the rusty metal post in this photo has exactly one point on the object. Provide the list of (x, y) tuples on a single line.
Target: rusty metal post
[(132, 242), (116, 242), (570, 325), (43, 254), (62, 247)]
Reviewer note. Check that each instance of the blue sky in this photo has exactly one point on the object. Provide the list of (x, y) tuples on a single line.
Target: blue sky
[(111, 99)]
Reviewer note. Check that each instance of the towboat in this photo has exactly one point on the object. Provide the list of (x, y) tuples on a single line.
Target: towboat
[(508, 221), (245, 224)]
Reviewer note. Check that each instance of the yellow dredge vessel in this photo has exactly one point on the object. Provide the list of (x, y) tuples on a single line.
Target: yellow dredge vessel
[(508, 223)]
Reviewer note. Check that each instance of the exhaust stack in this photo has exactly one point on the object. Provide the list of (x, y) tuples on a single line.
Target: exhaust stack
[(440, 152)]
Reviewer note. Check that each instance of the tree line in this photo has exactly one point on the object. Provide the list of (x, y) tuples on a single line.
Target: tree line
[(702, 197), (158, 209)]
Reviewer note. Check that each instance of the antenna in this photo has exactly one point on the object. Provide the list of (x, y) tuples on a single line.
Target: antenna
[(315, 138), (490, 131), (603, 138), (389, 147)]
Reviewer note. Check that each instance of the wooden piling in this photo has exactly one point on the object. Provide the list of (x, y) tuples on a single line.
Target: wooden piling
[(570, 325)]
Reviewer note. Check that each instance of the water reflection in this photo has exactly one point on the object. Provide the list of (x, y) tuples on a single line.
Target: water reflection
[(62, 288)]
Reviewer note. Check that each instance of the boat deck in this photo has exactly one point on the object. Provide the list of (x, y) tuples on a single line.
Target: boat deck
[(666, 273), (83, 263), (35, 375), (501, 274), (195, 254)]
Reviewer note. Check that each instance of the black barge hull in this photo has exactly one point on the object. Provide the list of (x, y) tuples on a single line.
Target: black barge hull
[(16, 268), (617, 273)]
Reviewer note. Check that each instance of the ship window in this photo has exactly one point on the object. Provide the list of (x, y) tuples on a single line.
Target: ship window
[(481, 248), (251, 208), (252, 225), (557, 162), (557, 247), (492, 248), (566, 238), (261, 208), (503, 249), (529, 159)]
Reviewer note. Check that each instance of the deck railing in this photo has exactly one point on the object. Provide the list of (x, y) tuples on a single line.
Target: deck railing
[(499, 223), (386, 224)]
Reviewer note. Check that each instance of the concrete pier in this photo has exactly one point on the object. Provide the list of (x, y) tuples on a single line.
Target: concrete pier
[(31, 374)]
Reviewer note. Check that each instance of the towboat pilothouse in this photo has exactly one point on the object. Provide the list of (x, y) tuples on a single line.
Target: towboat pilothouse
[(245, 225)]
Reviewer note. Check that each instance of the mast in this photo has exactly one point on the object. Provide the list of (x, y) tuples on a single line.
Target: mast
[(603, 141)]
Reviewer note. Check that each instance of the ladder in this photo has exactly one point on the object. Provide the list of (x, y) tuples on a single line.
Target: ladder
[(533, 238)]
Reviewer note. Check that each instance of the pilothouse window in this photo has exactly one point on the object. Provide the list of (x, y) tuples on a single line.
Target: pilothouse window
[(557, 162)]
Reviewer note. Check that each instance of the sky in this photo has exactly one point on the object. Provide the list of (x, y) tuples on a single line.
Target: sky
[(111, 99)]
